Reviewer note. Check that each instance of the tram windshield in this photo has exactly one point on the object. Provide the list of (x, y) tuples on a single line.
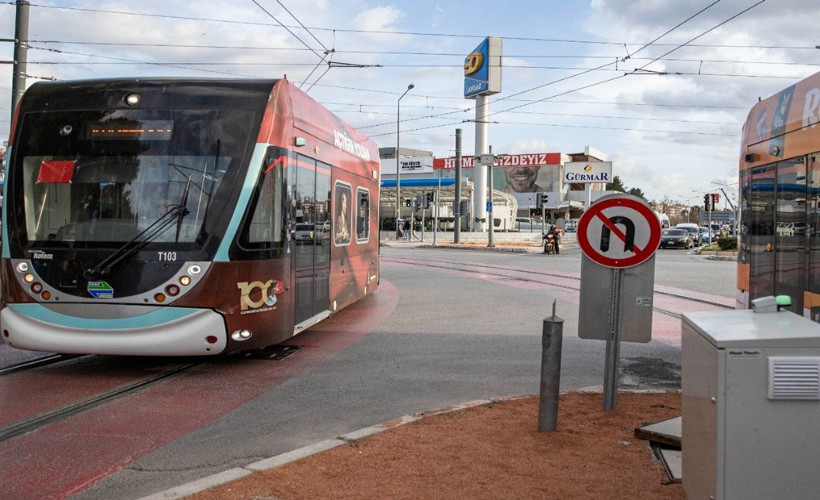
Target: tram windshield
[(96, 177)]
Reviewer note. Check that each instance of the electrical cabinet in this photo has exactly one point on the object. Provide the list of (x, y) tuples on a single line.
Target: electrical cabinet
[(751, 405)]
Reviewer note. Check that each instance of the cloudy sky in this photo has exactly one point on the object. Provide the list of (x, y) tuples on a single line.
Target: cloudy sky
[(661, 87)]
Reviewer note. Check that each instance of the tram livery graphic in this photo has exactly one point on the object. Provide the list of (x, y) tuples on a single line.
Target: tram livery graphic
[(779, 185), (158, 216)]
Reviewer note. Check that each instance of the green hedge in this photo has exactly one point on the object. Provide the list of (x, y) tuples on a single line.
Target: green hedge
[(727, 243)]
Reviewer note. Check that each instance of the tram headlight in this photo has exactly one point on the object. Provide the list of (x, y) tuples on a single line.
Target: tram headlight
[(36, 287), (172, 290), (184, 280), (194, 269), (28, 278), (132, 99), (22, 267), (159, 297), (46, 295), (241, 335)]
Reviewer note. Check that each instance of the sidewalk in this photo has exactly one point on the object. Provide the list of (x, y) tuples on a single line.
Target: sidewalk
[(482, 449), (503, 242)]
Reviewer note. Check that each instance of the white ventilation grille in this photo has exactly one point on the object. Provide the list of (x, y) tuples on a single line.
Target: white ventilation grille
[(794, 378)]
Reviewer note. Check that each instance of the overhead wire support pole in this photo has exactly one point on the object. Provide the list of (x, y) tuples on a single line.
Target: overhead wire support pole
[(457, 192), (398, 162), (18, 82)]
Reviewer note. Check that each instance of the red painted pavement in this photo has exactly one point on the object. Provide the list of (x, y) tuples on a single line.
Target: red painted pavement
[(70, 456)]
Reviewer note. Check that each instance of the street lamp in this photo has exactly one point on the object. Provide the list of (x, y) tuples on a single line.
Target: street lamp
[(398, 163)]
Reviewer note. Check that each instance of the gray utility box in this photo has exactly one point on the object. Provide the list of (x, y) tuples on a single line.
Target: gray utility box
[(751, 405)]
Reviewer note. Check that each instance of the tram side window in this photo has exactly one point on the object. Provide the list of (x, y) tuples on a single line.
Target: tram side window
[(362, 214), (265, 229), (341, 210)]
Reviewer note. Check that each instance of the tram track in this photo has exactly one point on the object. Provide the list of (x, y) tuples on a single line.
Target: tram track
[(541, 277), (30, 364), (41, 420)]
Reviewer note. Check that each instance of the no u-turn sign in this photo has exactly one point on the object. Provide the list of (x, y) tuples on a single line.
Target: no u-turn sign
[(619, 231)]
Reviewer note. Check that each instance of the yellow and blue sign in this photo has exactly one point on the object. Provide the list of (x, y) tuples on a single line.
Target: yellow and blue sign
[(482, 69)]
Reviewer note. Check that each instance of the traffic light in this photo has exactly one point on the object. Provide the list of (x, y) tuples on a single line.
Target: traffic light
[(715, 199), (418, 202), (541, 199), (428, 199), (706, 201)]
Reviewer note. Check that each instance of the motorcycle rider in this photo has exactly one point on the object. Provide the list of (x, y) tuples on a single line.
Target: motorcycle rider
[(552, 232)]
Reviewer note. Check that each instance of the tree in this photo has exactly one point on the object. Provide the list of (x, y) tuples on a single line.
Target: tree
[(637, 192), (616, 185)]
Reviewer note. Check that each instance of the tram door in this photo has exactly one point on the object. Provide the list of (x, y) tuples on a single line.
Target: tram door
[(310, 245), (813, 236), (790, 231)]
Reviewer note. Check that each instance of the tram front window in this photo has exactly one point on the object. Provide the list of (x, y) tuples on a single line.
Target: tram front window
[(99, 199), (105, 177)]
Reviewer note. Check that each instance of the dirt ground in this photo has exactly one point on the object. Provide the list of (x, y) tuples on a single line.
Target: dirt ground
[(490, 451)]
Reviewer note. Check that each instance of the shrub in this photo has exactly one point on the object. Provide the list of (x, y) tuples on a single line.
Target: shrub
[(727, 243)]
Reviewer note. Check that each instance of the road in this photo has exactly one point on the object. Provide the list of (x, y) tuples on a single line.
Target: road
[(447, 326)]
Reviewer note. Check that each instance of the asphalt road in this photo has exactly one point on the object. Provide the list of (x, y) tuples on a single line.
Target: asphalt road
[(454, 331)]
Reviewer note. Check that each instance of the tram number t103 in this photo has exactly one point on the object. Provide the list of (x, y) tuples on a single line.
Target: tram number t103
[(167, 256)]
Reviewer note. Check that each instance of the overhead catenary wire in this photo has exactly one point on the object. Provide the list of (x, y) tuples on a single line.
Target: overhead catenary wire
[(453, 113), (406, 33), (607, 80)]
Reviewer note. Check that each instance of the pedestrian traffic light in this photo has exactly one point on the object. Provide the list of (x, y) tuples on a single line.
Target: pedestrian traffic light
[(408, 203), (706, 202), (428, 199), (715, 199)]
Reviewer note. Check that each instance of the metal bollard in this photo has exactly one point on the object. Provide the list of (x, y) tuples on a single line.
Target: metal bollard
[(551, 338)]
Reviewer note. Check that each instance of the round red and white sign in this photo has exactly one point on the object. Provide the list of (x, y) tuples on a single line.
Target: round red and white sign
[(619, 231)]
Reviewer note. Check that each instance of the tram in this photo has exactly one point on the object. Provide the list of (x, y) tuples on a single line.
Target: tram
[(779, 184), (157, 217)]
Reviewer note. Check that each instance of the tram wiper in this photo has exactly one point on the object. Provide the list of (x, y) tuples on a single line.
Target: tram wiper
[(175, 213)]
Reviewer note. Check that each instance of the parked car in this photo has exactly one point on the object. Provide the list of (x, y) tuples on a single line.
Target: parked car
[(307, 233), (676, 238), (693, 229)]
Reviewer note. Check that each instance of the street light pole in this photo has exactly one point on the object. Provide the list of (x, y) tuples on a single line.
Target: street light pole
[(398, 163)]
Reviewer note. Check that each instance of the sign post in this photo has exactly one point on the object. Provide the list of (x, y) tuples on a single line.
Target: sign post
[(618, 235), (488, 160)]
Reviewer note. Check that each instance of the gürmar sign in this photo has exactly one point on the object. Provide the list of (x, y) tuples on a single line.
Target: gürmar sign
[(581, 172)]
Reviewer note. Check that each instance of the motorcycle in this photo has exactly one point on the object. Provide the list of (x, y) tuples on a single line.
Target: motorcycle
[(549, 243)]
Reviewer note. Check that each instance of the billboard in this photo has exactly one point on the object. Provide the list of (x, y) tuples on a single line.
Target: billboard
[(585, 172), (482, 69), (520, 175)]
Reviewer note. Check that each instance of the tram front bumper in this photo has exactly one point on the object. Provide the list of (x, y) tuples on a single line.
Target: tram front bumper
[(165, 331)]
